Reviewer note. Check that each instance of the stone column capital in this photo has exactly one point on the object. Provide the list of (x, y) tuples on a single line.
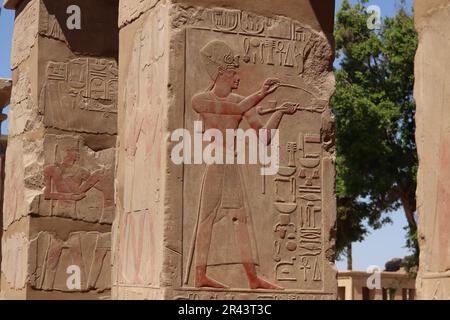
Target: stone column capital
[(11, 4), (5, 92)]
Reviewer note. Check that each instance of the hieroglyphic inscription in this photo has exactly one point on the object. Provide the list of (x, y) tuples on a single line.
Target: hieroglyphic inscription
[(85, 83), (275, 41), (298, 234)]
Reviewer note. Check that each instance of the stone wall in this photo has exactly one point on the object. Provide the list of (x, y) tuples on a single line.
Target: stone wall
[(432, 94)]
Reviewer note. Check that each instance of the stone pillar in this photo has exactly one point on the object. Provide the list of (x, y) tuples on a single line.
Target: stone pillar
[(182, 229), (432, 94), (5, 96), (59, 200)]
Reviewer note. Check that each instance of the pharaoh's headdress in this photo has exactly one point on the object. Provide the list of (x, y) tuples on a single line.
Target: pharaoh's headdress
[(218, 56)]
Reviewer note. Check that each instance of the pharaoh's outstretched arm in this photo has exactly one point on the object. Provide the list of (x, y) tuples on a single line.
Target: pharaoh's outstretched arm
[(251, 101), (269, 86)]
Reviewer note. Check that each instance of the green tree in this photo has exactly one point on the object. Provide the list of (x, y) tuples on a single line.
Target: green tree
[(374, 108)]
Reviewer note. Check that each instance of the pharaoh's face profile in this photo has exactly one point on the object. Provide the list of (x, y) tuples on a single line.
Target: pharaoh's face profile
[(229, 77)]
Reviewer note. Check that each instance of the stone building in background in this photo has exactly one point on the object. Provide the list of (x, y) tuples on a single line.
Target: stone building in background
[(354, 285), (432, 94)]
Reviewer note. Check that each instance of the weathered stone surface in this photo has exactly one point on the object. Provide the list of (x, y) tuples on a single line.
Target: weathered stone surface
[(23, 168), (264, 238), (130, 10), (14, 260), (25, 31), (432, 94), (23, 114)]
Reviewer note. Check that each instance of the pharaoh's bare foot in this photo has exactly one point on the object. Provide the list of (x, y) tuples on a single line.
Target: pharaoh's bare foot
[(202, 281), (256, 282), (259, 283)]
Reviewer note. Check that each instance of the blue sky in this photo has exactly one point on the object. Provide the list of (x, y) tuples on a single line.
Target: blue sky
[(6, 29), (379, 246)]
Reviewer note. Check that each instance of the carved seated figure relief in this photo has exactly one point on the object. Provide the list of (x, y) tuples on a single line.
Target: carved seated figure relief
[(68, 183)]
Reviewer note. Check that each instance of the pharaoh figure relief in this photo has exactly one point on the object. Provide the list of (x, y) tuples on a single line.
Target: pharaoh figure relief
[(222, 194), (241, 229), (78, 182)]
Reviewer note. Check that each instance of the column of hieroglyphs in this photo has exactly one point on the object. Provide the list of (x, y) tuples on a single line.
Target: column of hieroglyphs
[(225, 231), (432, 94), (59, 200)]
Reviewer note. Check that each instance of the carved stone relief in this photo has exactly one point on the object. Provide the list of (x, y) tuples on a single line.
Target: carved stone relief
[(250, 71), (50, 258), (78, 182), (86, 88), (223, 231)]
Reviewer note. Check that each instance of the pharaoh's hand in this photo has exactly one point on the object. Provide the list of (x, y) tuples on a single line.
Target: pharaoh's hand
[(270, 85), (289, 107), (78, 197), (319, 105)]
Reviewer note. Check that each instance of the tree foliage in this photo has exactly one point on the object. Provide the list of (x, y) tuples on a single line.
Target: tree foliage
[(375, 110)]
